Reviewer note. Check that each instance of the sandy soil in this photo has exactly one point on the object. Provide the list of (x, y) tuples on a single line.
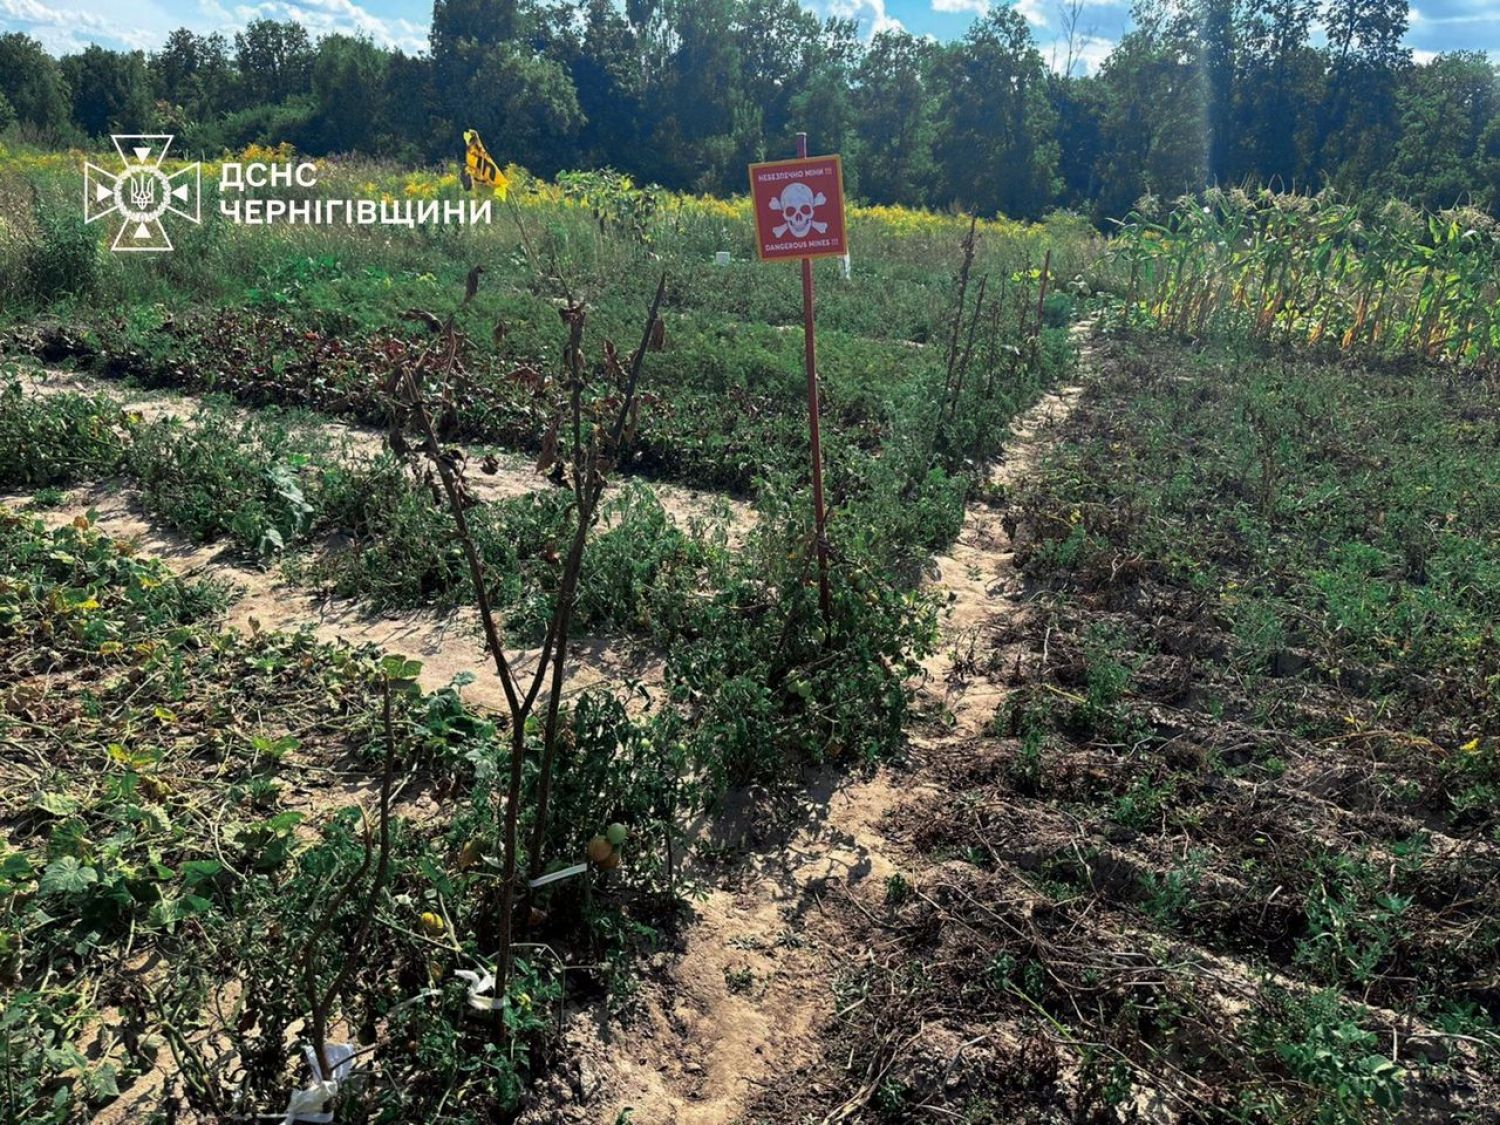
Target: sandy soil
[(744, 1003)]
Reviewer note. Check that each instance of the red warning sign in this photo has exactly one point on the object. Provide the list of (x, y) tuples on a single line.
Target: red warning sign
[(799, 208)]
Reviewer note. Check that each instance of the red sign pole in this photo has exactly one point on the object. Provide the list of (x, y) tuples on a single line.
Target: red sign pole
[(799, 213), (810, 353)]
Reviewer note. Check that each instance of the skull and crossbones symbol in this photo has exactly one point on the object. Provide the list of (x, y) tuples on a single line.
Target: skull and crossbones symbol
[(796, 204)]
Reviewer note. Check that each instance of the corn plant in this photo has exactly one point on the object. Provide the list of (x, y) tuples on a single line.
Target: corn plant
[(1310, 269)]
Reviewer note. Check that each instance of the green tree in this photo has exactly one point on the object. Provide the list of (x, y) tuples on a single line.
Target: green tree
[(601, 51), (463, 31), (1279, 85), (348, 86), (1446, 109), (194, 74), (1153, 139), (893, 112), (821, 104), (794, 75), (995, 147), (491, 71), (405, 128), (1487, 165), (1079, 106), (274, 60), (525, 103), (1359, 118), (697, 108), (33, 83), (1217, 56), (111, 91)]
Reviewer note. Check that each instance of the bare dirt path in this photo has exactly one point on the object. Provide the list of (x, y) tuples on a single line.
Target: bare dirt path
[(447, 642), (743, 1004)]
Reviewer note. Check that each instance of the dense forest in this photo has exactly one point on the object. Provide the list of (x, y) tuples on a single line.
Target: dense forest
[(1294, 93)]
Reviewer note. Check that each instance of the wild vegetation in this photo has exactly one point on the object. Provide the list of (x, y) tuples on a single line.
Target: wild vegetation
[(1224, 851), (1313, 94)]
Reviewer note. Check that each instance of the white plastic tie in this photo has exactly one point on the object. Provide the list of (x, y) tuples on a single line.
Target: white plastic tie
[(308, 1104), (481, 990), (565, 873)]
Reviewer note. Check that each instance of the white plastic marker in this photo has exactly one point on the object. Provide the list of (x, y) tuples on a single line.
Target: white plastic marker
[(481, 989), (307, 1104)]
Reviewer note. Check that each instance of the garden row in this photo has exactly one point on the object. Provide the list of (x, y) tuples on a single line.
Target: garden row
[(184, 867), (365, 526), (725, 401), (1232, 847)]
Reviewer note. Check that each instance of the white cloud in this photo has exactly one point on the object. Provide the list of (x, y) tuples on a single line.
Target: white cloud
[(1032, 12), (322, 17), (30, 11), (1416, 16), (64, 30), (1089, 54), (870, 14)]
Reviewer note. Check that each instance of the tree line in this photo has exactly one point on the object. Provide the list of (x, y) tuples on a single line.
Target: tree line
[(685, 93)]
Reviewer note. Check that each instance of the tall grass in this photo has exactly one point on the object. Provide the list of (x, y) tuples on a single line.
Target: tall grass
[(902, 258)]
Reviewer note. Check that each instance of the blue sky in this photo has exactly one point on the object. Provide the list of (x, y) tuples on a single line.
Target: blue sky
[(66, 25)]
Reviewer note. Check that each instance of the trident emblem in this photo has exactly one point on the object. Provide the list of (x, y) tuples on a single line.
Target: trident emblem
[(142, 193)]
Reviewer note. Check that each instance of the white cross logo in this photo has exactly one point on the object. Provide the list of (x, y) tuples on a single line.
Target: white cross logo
[(142, 193)]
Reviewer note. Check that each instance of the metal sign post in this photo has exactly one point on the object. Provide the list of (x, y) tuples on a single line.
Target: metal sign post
[(799, 213)]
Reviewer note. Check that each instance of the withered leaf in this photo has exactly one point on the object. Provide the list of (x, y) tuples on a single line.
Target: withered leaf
[(548, 456)]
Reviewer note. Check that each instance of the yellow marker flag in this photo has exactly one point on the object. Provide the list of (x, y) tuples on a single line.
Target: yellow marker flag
[(481, 167)]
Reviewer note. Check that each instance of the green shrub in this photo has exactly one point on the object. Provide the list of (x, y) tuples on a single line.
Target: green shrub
[(1057, 310), (57, 439), (1343, 1078), (223, 475)]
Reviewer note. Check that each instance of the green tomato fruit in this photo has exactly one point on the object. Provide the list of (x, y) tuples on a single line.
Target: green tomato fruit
[(616, 834)]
